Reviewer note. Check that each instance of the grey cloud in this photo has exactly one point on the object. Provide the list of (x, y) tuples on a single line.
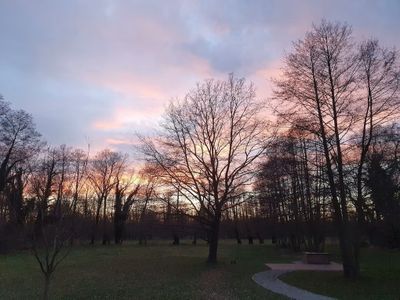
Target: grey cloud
[(55, 56)]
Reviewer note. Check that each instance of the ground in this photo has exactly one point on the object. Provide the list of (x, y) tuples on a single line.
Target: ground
[(156, 271), (380, 278), (162, 271)]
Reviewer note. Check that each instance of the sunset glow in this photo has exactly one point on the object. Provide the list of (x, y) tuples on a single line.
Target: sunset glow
[(100, 75)]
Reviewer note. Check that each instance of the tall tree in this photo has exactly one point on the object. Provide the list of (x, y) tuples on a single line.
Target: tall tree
[(208, 143), (19, 139), (319, 84), (102, 174)]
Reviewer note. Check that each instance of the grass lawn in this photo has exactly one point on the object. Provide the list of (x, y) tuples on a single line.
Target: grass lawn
[(162, 271), (155, 271), (380, 278)]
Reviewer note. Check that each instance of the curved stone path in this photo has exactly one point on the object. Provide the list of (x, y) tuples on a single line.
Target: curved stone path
[(270, 279)]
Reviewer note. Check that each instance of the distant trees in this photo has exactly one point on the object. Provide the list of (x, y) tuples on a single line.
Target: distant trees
[(104, 171), (126, 191), (79, 160), (383, 184), (210, 140), (44, 185), (292, 192)]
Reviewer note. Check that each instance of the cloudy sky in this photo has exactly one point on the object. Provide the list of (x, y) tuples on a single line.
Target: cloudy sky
[(98, 71)]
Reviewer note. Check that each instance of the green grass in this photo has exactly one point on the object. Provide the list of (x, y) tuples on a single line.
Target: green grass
[(380, 278), (162, 271), (155, 271)]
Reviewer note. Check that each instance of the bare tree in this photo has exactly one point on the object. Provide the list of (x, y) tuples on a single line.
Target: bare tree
[(289, 191), (79, 162), (103, 169), (319, 84), (151, 183), (64, 182), (126, 192), (51, 231), (208, 143), (43, 185), (19, 139), (50, 248)]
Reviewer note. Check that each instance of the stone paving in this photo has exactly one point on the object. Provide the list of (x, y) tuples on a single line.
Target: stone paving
[(300, 266), (270, 279)]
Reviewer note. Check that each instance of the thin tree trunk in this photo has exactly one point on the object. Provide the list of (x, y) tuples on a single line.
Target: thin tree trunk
[(46, 287), (349, 265)]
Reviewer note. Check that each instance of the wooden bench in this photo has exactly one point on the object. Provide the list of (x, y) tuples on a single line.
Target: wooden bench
[(317, 258)]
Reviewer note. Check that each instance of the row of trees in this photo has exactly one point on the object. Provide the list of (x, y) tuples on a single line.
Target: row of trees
[(93, 197), (328, 164)]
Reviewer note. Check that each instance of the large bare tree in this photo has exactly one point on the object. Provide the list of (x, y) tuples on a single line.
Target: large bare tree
[(208, 142), (340, 90), (19, 140)]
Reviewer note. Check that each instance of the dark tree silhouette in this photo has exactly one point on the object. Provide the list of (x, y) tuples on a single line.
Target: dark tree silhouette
[(209, 141), (319, 84), (126, 192), (50, 247), (102, 175), (19, 140)]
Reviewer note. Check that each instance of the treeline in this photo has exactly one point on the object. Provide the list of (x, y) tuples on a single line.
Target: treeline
[(295, 200), (96, 198), (327, 166)]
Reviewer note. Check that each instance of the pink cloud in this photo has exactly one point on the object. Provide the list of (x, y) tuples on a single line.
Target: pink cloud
[(115, 141)]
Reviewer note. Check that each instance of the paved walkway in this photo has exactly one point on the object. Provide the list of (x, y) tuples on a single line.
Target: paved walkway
[(269, 279)]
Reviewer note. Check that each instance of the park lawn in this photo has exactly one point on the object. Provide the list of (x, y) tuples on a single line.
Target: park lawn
[(156, 271), (380, 278)]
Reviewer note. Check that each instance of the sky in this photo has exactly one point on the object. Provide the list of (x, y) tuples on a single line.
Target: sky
[(97, 72)]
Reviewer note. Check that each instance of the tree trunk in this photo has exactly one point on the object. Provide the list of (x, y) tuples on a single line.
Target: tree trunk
[(118, 231), (105, 234), (194, 242), (349, 255), (260, 238), (119, 224), (213, 242), (176, 240), (96, 223), (237, 235), (46, 287)]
